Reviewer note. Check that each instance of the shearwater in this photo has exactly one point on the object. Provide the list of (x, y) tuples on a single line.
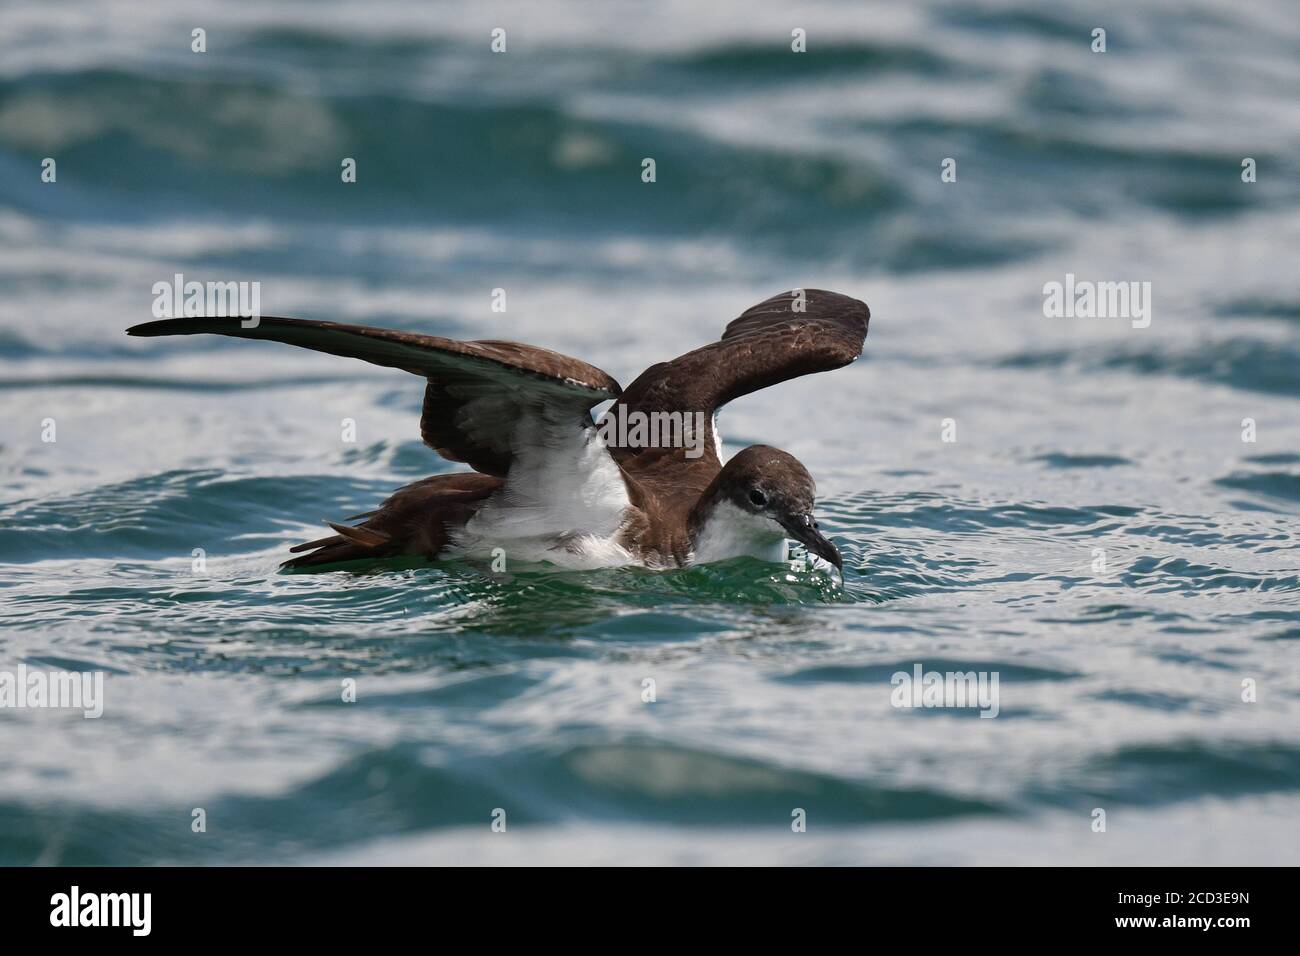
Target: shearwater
[(547, 482)]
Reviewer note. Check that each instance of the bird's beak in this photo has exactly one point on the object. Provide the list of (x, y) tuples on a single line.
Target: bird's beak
[(803, 528)]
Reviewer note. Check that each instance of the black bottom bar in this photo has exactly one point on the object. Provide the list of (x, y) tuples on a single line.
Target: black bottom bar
[(330, 906)]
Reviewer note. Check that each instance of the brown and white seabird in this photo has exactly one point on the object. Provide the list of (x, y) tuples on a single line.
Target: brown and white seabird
[(547, 485)]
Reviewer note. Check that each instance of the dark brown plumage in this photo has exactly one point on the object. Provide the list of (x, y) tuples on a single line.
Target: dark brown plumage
[(479, 393)]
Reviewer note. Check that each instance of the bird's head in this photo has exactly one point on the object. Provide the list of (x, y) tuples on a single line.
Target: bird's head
[(770, 491)]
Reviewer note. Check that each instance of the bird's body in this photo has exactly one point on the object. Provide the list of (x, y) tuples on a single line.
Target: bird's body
[(547, 485)]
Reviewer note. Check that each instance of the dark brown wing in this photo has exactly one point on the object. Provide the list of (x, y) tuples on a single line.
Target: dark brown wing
[(791, 334), (476, 390)]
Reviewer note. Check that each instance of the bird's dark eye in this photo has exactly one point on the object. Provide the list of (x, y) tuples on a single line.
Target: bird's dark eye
[(758, 498)]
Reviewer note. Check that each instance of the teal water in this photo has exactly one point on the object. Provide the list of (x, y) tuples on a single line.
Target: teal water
[(1120, 688)]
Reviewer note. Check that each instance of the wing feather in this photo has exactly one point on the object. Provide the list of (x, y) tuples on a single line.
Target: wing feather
[(792, 334), (476, 390)]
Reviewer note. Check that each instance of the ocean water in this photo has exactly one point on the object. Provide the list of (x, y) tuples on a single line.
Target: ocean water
[(1098, 534)]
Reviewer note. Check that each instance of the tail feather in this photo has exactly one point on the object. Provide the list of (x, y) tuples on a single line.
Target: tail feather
[(337, 553), (318, 543), (362, 537)]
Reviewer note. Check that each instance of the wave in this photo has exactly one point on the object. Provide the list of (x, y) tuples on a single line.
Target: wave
[(1247, 364), (398, 790)]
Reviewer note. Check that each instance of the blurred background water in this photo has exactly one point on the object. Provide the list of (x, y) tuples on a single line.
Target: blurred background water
[(1119, 689)]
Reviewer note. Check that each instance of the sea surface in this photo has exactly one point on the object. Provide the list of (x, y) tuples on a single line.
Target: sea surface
[(1100, 534)]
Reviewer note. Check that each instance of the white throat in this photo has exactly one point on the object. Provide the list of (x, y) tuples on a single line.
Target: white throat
[(729, 532)]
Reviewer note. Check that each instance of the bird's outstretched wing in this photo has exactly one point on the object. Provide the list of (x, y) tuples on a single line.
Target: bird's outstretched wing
[(791, 334), (477, 392)]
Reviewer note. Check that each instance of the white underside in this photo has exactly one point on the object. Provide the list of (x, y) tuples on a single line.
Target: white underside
[(564, 501)]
